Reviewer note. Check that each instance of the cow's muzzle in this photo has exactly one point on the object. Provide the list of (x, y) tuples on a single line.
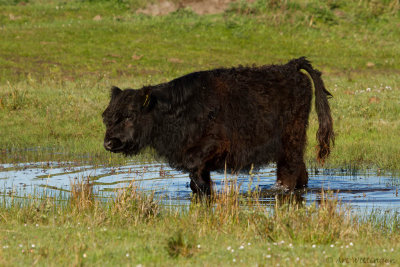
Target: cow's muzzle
[(113, 145)]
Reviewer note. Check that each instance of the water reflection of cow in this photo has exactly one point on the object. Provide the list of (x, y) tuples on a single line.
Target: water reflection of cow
[(225, 118)]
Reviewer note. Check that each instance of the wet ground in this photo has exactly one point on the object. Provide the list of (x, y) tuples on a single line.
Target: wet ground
[(365, 191)]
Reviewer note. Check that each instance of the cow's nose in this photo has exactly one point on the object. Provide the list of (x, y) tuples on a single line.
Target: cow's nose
[(112, 144), (108, 144)]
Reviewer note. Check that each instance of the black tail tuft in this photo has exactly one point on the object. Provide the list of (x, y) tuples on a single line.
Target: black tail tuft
[(325, 133)]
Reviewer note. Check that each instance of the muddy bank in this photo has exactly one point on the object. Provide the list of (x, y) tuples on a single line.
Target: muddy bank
[(200, 7)]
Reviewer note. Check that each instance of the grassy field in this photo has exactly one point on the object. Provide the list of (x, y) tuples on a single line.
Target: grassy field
[(58, 60), (136, 230)]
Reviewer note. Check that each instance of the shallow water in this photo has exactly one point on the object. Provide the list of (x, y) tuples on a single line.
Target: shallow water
[(365, 191)]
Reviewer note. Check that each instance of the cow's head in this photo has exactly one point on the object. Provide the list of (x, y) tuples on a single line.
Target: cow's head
[(128, 121)]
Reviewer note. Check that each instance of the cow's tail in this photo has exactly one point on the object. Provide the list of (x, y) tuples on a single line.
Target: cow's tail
[(325, 133)]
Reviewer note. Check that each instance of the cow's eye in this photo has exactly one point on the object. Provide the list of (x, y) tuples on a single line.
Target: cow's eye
[(118, 120)]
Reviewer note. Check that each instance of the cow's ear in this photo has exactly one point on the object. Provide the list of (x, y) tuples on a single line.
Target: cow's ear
[(115, 91)]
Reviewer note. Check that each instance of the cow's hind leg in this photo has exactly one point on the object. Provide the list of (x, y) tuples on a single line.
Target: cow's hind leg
[(291, 171), (200, 182), (302, 179), (292, 175)]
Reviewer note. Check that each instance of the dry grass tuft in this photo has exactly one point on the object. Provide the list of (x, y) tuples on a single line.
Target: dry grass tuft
[(82, 196), (181, 244), (131, 203)]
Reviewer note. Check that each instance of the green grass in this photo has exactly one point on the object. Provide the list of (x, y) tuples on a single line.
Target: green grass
[(136, 229), (57, 63), (56, 67)]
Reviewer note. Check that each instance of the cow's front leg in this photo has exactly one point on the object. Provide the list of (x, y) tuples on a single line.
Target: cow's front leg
[(196, 159), (200, 182)]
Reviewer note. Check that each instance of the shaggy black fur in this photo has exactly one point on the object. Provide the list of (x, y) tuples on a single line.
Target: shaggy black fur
[(235, 117)]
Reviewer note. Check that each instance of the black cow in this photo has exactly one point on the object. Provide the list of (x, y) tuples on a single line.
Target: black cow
[(225, 118)]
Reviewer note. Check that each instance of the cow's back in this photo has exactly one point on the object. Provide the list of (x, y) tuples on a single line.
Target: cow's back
[(244, 110), (256, 104)]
